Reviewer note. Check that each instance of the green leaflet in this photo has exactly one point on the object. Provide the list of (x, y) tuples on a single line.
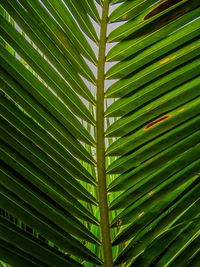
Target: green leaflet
[(126, 48), (189, 252), (41, 18), (13, 122), (13, 256), (190, 234), (130, 179), (70, 185), (48, 48), (162, 85), (63, 16), (39, 250), (154, 129), (81, 16), (164, 144), (176, 193), (150, 185), (42, 204), (48, 74), (7, 235), (152, 20), (129, 10), (175, 59), (166, 103), (128, 197), (91, 10), (57, 188), (40, 114), (182, 259), (40, 91), (184, 209), (174, 40)]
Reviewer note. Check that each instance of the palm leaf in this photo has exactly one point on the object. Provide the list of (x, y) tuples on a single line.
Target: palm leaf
[(100, 133)]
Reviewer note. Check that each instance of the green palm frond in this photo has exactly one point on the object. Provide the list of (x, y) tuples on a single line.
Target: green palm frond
[(100, 133)]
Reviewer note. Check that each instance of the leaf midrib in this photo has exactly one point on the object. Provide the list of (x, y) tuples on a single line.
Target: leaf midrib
[(101, 172)]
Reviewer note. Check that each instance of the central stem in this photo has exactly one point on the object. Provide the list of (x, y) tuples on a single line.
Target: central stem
[(103, 202)]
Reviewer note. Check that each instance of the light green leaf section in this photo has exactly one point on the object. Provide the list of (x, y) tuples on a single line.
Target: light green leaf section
[(149, 181), (117, 1), (158, 49), (152, 19), (82, 18), (48, 48), (63, 16), (165, 64), (40, 91), (154, 129), (43, 141), (40, 114), (42, 19), (151, 161), (166, 144), (158, 107), (48, 74), (91, 9), (127, 48), (129, 10), (163, 85)]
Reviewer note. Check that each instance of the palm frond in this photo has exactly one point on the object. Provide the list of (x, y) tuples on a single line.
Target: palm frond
[(100, 133)]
